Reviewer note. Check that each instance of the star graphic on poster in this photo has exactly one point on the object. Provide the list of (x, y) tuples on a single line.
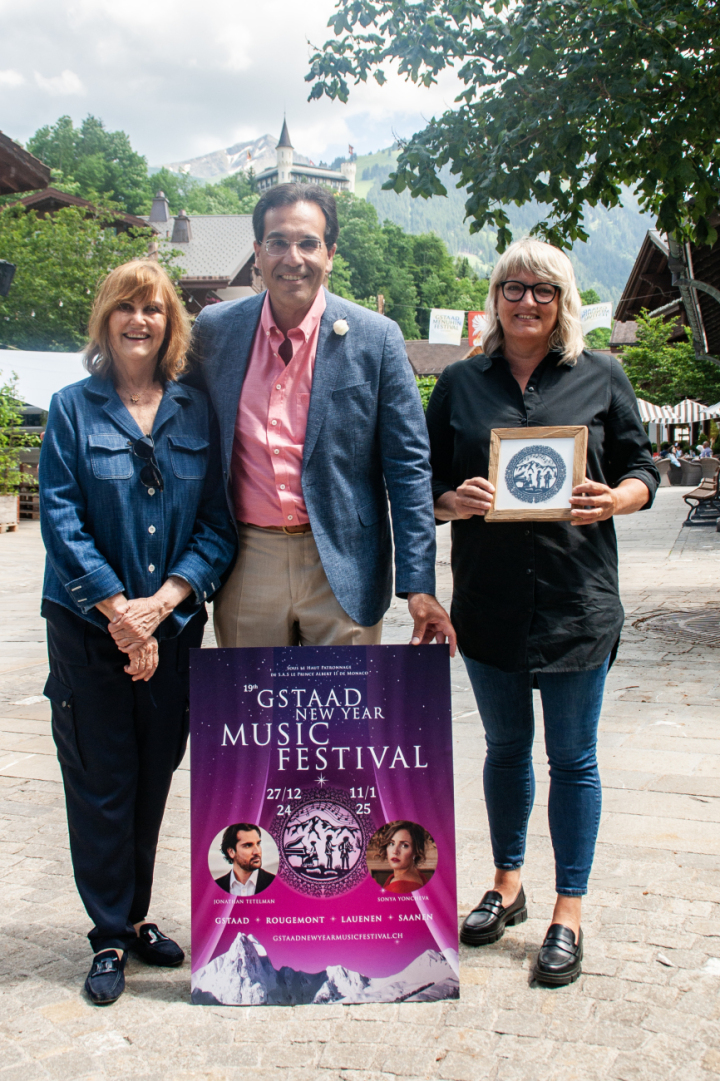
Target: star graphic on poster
[(321, 780), (332, 919)]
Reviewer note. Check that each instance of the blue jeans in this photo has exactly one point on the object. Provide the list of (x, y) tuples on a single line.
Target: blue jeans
[(571, 709)]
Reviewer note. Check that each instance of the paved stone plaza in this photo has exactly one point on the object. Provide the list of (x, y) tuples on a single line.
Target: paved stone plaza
[(647, 1006)]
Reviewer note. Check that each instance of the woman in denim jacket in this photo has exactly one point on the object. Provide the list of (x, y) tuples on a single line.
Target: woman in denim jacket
[(137, 534)]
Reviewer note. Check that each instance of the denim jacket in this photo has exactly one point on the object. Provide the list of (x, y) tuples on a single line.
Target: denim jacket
[(104, 531)]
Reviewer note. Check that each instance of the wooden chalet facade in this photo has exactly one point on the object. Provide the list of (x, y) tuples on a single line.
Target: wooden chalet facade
[(19, 170)]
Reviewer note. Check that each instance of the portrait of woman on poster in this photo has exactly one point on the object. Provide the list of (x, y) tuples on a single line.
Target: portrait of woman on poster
[(137, 535), (403, 845)]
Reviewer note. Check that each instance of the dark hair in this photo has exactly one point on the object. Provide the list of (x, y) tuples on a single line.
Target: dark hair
[(229, 837), (288, 195), (418, 835)]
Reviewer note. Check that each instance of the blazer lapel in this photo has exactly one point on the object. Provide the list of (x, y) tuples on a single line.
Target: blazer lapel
[(230, 361), (328, 362)]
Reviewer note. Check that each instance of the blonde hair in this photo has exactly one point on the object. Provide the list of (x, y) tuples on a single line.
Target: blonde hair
[(550, 264), (140, 279)]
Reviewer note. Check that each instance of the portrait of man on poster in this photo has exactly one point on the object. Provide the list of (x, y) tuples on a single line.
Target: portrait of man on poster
[(241, 846)]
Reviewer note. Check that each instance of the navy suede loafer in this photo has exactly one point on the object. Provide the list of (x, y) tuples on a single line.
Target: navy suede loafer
[(155, 948), (560, 957), (488, 921), (106, 979)]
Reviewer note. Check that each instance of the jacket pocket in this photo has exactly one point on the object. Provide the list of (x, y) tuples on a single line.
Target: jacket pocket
[(111, 456), (188, 456), (63, 723), (372, 512)]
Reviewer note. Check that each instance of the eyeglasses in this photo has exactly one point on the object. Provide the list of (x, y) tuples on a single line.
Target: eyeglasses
[(150, 474), (278, 245), (543, 292)]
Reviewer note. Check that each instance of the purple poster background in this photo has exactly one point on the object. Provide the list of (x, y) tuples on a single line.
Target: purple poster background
[(321, 747)]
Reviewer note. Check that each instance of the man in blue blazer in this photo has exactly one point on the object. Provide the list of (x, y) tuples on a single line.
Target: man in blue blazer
[(321, 424)]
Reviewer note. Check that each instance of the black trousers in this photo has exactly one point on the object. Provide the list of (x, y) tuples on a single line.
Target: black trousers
[(118, 744)]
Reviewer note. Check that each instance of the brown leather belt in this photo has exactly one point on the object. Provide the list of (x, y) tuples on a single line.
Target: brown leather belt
[(291, 529)]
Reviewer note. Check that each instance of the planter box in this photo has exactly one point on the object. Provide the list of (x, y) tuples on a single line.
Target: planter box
[(8, 512)]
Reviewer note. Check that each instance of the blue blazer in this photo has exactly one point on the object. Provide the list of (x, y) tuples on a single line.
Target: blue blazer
[(366, 440)]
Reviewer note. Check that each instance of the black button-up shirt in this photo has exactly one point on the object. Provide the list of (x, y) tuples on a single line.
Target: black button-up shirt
[(536, 596)]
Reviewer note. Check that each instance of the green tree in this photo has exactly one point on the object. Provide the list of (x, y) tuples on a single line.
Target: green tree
[(232, 195), (101, 164), (664, 373), (565, 101), (60, 261), (11, 440)]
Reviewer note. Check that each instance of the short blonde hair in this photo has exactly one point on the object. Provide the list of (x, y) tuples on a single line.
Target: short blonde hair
[(550, 264), (139, 279)]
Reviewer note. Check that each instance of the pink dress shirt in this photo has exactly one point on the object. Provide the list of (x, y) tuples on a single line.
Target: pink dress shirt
[(271, 422)]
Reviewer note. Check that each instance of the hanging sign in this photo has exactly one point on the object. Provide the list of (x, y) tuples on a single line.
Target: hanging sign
[(593, 316), (446, 326), (477, 323), (323, 837)]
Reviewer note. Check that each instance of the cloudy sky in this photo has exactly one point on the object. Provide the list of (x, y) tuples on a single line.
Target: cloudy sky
[(185, 78)]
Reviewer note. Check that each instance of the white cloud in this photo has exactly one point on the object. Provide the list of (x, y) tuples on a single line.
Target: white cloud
[(59, 85), (182, 84), (11, 78)]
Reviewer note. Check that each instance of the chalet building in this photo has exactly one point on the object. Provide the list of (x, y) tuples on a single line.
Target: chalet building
[(427, 358), (19, 170), (50, 200), (217, 253), (288, 171), (655, 284)]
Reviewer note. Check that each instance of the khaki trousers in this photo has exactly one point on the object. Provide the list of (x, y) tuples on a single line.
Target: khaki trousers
[(278, 595)]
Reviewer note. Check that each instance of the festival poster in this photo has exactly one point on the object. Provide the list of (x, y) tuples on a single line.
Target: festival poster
[(323, 833)]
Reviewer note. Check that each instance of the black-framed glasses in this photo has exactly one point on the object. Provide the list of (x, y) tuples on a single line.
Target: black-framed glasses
[(278, 245), (150, 475), (543, 292)]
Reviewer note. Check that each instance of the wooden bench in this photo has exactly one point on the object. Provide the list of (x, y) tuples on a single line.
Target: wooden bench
[(705, 496)]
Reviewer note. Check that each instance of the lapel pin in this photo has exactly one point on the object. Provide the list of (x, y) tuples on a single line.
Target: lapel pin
[(341, 327)]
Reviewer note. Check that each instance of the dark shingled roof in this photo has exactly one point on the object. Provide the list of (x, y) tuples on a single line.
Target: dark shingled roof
[(19, 170), (285, 136), (430, 359)]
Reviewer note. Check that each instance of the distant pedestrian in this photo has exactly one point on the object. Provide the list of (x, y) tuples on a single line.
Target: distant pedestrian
[(536, 603)]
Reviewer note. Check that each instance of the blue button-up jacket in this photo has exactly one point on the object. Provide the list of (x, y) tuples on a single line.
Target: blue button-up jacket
[(104, 531)]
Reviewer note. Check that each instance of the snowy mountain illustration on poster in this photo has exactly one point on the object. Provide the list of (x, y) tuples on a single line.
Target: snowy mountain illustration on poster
[(245, 976)]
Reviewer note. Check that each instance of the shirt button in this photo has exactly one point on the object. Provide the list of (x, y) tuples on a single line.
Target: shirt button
[(151, 491), (276, 451), (527, 532), (282, 487), (151, 568), (151, 529), (289, 517), (278, 386), (528, 571), (273, 422)]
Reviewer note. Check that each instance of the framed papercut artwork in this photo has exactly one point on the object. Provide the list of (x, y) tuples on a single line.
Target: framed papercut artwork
[(534, 471)]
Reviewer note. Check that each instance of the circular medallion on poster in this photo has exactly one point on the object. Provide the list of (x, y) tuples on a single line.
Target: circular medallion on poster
[(535, 474), (322, 846)]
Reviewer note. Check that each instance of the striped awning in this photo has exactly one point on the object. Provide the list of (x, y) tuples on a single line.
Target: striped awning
[(655, 414), (690, 412)]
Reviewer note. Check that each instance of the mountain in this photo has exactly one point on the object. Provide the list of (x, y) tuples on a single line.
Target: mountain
[(222, 163), (602, 263), (244, 975)]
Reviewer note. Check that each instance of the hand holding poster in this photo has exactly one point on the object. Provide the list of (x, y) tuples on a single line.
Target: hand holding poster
[(446, 326), (323, 854)]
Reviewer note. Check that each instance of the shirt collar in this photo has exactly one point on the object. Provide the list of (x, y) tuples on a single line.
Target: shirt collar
[(308, 326)]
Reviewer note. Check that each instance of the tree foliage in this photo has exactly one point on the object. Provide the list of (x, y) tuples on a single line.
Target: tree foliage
[(11, 441), (233, 194), (664, 373), (60, 260), (564, 102), (413, 273)]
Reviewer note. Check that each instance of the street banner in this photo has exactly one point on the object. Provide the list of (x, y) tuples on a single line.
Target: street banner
[(593, 316), (446, 326), (323, 834), (477, 322)]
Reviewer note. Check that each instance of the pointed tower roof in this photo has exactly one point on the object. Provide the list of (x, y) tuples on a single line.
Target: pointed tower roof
[(285, 136)]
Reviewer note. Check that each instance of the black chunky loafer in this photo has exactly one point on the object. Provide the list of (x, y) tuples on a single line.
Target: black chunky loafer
[(488, 921), (106, 979), (155, 948), (560, 959)]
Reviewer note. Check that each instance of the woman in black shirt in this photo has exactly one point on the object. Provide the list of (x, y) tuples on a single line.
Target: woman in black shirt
[(537, 603)]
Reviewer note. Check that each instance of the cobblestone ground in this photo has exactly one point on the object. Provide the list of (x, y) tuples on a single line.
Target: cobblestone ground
[(647, 1006)]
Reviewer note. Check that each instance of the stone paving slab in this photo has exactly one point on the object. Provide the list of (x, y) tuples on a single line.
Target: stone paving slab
[(647, 1005)]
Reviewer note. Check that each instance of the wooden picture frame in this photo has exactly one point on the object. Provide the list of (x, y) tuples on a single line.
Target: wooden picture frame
[(547, 474)]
